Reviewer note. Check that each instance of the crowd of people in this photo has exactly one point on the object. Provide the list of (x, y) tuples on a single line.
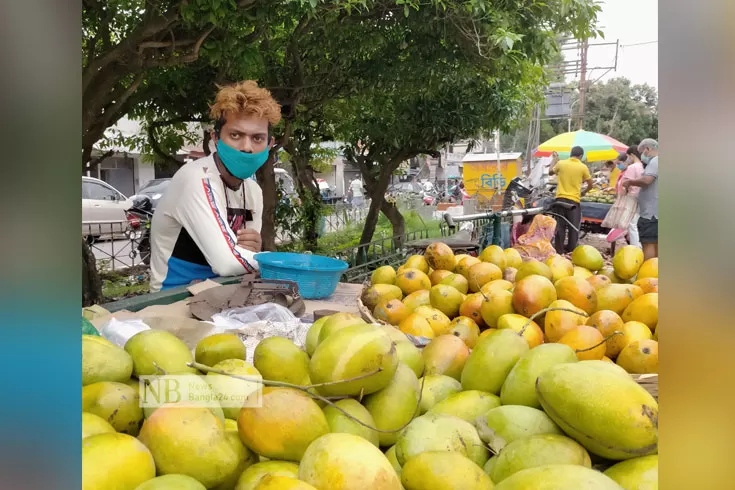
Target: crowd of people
[(635, 211)]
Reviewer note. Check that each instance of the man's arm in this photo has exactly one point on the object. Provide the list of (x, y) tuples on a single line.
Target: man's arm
[(204, 217), (588, 187), (644, 181)]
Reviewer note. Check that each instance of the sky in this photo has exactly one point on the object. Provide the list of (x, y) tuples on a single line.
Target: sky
[(631, 22)]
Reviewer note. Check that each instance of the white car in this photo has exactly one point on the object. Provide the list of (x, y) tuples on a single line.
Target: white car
[(103, 209)]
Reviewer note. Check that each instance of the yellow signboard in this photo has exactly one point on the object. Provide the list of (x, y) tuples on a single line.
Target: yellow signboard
[(484, 178)]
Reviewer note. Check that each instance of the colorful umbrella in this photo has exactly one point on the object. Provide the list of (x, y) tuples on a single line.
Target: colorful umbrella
[(596, 146)]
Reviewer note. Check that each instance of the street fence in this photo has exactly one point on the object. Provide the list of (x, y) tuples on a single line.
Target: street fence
[(115, 244)]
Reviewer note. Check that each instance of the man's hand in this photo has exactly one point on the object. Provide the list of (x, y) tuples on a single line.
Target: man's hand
[(249, 240), (626, 184)]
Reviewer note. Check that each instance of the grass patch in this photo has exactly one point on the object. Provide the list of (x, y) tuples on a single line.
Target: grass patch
[(119, 284)]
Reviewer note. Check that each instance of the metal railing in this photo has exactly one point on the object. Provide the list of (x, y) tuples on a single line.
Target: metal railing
[(116, 244), (364, 259)]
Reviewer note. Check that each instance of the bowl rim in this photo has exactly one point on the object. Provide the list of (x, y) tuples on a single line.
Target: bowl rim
[(339, 265)]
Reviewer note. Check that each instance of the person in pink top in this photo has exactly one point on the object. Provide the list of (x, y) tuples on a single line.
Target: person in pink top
[(631, 169)]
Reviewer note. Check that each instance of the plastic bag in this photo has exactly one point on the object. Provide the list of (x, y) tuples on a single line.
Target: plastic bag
[(255, 323), (119, 331)]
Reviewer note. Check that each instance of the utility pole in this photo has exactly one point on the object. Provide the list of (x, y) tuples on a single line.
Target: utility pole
[(582, 81)]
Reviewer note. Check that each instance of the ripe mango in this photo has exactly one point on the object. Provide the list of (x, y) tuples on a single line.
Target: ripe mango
[(446, 299), (538, 450), (104, 361), (446, 354), (648, 284), (351, 352), (383, 275), (494, 255), (598, 281), (417, 262), (643, 309), (279, 359), (560, 267), (582, 273), (312, 336), (190, 441), (154, 351), (587, 342), (440, 257), (284, 424), (338, 321), (534, 267), (464, 265), (439, 322), (417, 325), (558, 477), (117, 403), (395, 405), (496, 304), (577, 291), (532, 294), (495, 285), (115, 461), (503, 425), (524, 327), (471, 308), (519, 387), (627, 261), (649, 269), (558, 322), (610, 415), (416, 299), (639, 357), (466, 329), (244, 456), (346, 461), (588, 257), (483, 273), (219, 347), (436, 276), (439, 469), (94, 424), (512, 258), (392, 311), (411, 280), (435, 388), (607, 322), (457, 281), (467, 405), (410, 355), (254, 474), (340, 423), (617, 297), (606, 365), (632, 331), (171, 482), (391, 455), (440, 432), (491, 360), (277, 482), (377, 292), (233, 389), (639, 473)]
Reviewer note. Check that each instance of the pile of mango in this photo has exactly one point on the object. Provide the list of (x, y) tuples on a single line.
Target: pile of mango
[(362, 406)]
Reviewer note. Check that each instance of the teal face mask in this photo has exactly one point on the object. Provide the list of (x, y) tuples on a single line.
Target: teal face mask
[(621, 166), (240, 164), (645, 159)]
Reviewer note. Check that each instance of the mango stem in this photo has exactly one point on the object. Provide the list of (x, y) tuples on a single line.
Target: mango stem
[(546, 310), (616, 332)]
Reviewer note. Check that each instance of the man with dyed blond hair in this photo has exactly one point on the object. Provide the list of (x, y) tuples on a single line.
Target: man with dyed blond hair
[(208, 222)]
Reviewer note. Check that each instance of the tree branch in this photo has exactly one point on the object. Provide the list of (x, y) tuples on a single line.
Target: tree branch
[(97, 160), (181, 60)]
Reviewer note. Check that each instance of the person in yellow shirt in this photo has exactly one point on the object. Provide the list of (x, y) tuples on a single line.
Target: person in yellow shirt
[(570, 174)]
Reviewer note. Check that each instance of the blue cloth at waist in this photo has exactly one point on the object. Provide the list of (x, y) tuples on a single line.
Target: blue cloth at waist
[(182, 273)]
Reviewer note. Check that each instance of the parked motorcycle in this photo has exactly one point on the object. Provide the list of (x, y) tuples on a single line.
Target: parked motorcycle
[(139, 216)]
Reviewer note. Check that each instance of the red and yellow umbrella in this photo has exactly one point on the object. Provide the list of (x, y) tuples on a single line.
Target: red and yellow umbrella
[(596, 146)]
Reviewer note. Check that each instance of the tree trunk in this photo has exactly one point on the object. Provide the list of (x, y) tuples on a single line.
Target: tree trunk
[(396, 220), (267, 180), (376, 190), (91, 283), (311, 201)]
